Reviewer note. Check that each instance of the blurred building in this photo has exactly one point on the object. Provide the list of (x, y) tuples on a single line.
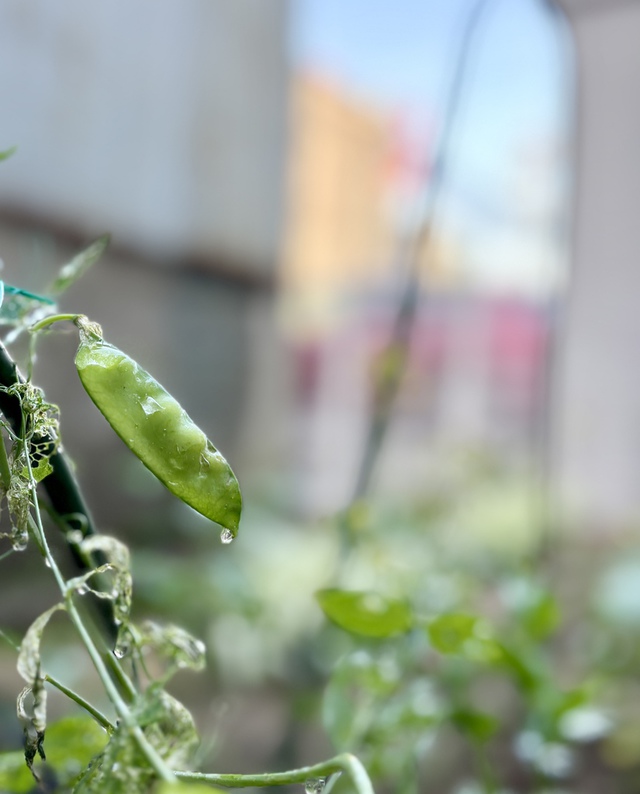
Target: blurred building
[(164, 123), (476, 370), (597, 399), (354, 174), (475, 381), (338, 232)]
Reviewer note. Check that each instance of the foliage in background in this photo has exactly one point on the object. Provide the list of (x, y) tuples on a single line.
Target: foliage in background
[(504, 662)]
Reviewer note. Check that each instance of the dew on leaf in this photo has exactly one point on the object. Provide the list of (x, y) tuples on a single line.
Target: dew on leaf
[(226, 536)]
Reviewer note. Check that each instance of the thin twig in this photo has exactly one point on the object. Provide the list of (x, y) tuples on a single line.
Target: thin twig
[(397, 348), (97, 715), (122, 709), (346, 763)]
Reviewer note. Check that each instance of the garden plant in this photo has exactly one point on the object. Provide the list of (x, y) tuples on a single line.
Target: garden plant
[(148, 740), (446, 665)]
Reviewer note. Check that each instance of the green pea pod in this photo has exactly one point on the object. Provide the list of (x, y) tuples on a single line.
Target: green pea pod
[(158, 430)]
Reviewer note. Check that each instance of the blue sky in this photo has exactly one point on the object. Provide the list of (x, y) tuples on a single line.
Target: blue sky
[(504, 178)]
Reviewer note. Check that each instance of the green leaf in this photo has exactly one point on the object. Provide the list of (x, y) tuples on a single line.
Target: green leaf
[(71, 744), (448, 633), (33, 719), (476, 724), (122, 768), (358, 683), (175, 644), (7, 153), (28, 664), (40, 470), (14, 775), (338, 712), (573, 699), (366, 613), (118, 557), (542, 618), (168, 725), (184, 787), (72, 271), (521, 669)]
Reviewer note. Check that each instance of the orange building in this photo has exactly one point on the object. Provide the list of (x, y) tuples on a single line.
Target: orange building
[(338, 231), (347, 200)]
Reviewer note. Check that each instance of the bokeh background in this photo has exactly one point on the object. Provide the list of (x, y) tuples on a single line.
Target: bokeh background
[(277, 178)]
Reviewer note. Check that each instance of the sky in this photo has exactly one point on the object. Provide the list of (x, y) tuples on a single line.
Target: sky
[(507, 173)]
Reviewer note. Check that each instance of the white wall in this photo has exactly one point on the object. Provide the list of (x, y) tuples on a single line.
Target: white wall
[(160, 120), (597, 411)]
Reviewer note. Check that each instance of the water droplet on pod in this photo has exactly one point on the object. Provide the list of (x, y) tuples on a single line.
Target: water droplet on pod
[(315, 785), (120, 651), (82, 589), (226, 536)]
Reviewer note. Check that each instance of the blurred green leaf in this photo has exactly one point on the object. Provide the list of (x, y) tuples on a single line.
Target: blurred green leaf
[(521, 669), (80, 263), (572, 699), (366, 613), (448, 633), (475, 724), (14, 775), (173, 644), (7, 153), (184, 787), (339, 712), (542, 618), (21, 307), (71, 743), (359, 684)]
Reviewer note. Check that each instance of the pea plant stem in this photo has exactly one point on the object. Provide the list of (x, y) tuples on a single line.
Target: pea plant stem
[(345, 763), (122, 709), (60, 486), (97, 715), (66, 500), (5, 472), (51, 319), (154, 759)]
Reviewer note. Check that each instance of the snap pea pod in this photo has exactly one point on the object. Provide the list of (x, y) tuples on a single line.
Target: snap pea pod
[(158, 430)]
